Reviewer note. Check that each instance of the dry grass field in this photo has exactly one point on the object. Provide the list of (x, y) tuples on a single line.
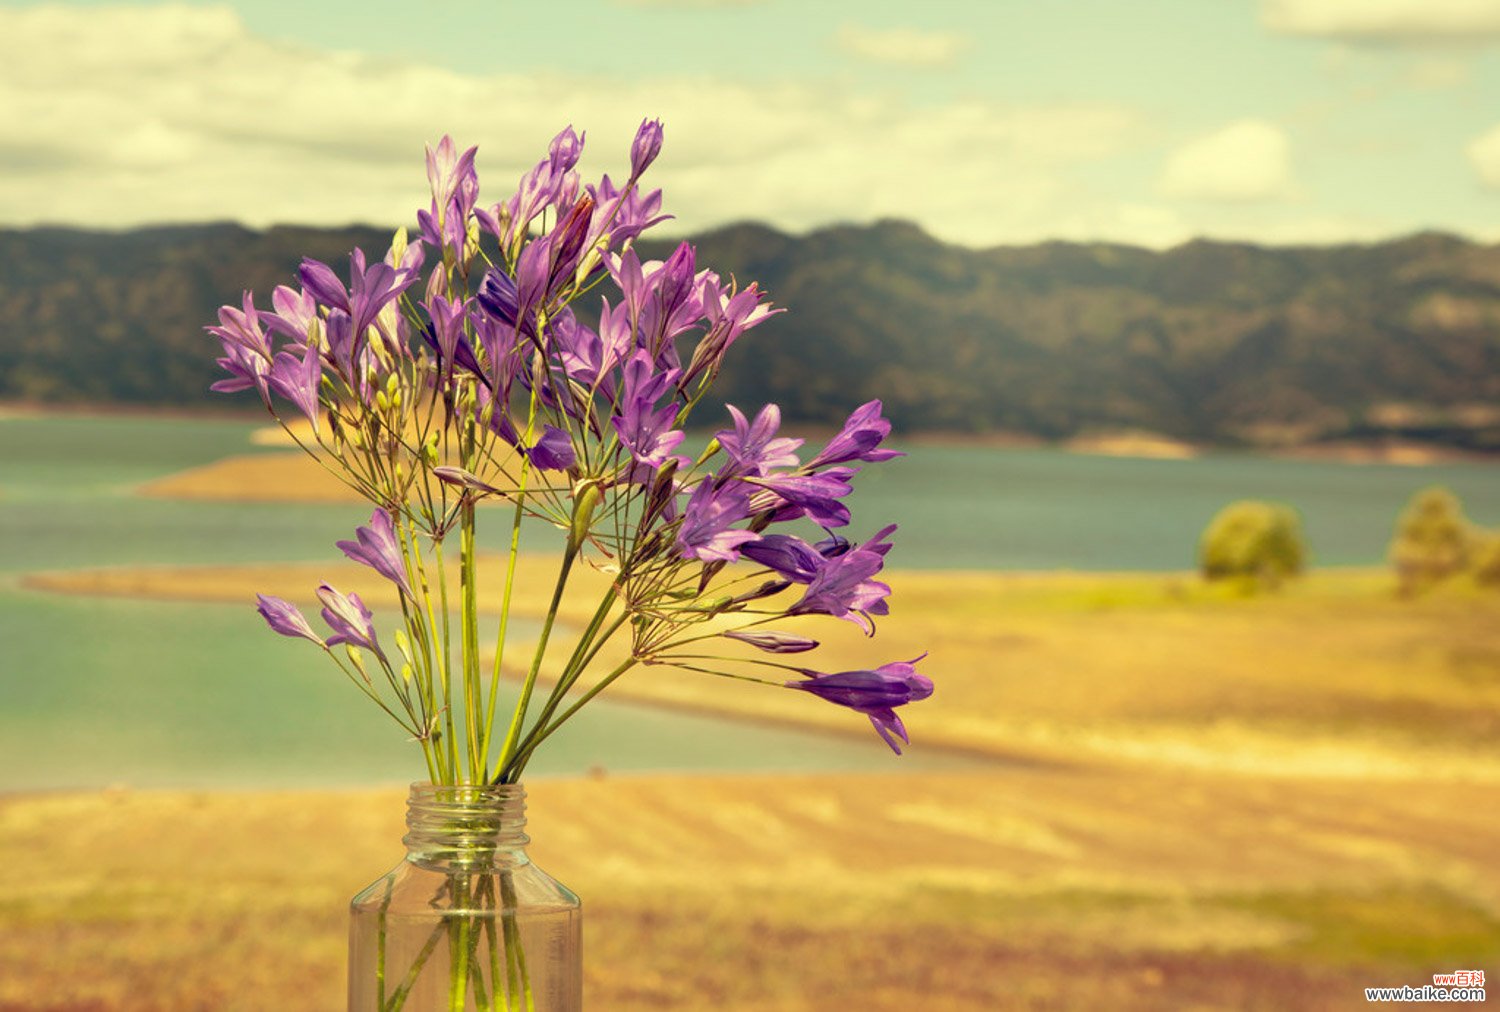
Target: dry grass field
[(1029, 888)]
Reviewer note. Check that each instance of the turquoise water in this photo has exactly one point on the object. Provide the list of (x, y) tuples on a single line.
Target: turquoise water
[(100, 691)]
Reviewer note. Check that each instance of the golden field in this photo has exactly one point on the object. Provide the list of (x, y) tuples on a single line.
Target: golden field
[(1196, 801)]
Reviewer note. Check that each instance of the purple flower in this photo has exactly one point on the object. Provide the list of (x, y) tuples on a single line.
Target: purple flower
[(753, 448), (645, 147), (707, 520), (788, 555), (622, 214), (248, 369), (297, 380), (774, 642), (284, 617), (843, 587), (859, 438), (379, 548), (373, 287), (815, 496), (647, 432), (875, 694), (553, 451), (349, 619), (242, 327)]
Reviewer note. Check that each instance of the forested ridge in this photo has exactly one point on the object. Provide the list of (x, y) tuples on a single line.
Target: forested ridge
[(1209, 341)]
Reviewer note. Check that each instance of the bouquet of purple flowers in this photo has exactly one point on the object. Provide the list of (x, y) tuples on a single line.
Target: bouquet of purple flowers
[(443, 374), (477, 362)]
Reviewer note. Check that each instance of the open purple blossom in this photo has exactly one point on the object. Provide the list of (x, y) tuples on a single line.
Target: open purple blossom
[(707, 523), (379, 547), (349, 619), (372, 287), (859, 439), (753, 448), (284, 617), (248, 370), (844, 588), (875, 693), (297, 380)]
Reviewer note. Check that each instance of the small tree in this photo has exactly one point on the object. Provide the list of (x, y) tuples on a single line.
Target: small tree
[(1259, 544), (1433, 540)]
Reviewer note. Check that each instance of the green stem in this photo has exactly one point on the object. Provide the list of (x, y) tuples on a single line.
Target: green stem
[(513, 736), (398, 999), (512, 772)]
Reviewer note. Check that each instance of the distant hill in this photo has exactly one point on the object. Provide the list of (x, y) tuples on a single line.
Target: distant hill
[(1213, 342)]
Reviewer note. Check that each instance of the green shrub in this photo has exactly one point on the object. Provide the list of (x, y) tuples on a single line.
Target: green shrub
[(1433, 540), (1259, 544)]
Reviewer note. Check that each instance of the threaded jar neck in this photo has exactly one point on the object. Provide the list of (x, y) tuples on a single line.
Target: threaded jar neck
[(469, 826)]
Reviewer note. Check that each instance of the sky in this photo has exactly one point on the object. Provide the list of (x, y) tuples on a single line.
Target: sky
[(1001, 122)]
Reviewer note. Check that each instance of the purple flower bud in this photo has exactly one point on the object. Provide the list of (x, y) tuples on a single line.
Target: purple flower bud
[(284, 617), (774, 642), (379, 548), (565, 150), (645, 147), (463, 479)]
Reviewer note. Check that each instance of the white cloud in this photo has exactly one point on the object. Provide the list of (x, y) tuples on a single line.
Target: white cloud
[(1484, 155), (904, 47), (1384, 21), (1249, 160), (120, 116)]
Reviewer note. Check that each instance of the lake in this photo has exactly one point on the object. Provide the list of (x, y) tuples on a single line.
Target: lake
[(96, 691)]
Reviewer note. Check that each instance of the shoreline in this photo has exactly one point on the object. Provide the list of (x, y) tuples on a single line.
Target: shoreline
[(1124, 443)]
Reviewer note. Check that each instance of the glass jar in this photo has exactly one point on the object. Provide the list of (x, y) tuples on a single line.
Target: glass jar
[(466, 921)]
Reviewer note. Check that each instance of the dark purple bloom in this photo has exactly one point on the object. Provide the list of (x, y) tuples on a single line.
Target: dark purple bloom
[(645, 147), (753, 448), (788, 555), (876, 694), (843, 587), (707, 521), (297, 380), (859, 438), (553, 451), (815, 496), (774, 642), (379, 548), (349, 619), (284, 617)]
